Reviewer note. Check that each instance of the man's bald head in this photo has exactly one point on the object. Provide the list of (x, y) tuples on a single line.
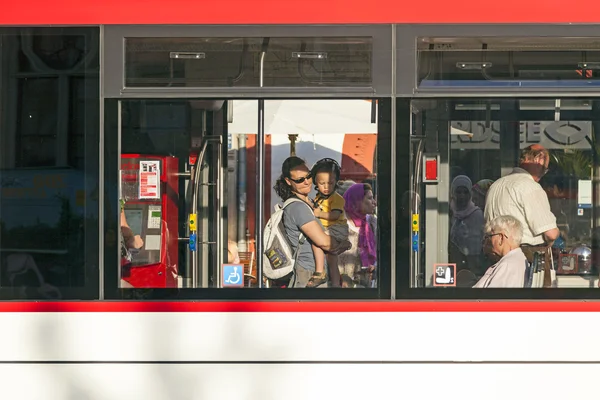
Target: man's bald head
[(535, 160), (535, 151)]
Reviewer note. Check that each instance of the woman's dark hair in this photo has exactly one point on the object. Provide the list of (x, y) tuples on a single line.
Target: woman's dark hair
[(281, 187)]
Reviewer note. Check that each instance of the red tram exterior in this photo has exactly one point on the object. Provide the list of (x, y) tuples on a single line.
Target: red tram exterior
[(410, 340)]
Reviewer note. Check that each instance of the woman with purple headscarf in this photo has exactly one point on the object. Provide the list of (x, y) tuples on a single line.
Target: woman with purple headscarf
[(360, 261), (466, 226)]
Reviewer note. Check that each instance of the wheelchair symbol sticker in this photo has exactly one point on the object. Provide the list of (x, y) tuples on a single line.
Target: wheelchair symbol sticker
[(233, 275)]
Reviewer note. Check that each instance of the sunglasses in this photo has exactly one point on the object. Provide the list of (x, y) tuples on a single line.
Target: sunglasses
[(300, 180)]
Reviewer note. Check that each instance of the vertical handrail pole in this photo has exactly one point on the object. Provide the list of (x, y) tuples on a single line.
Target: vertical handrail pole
[(260, 189), (221, 248), (260, 175), (194, 181), (241, 193)]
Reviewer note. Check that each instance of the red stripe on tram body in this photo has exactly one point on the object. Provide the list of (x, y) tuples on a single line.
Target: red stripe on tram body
[(77, 12), (302, 306)]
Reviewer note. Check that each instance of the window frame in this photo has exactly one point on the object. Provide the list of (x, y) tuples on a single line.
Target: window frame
[(404, 278), (111, 291), (381, 62), (406, 56)]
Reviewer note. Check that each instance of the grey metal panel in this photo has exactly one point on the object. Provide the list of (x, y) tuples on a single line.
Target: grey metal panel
[(250, 93), (495, 92), (509, 30), (114, 57), (408, 34), (393, 199), (102, 160), (406, 61), (113, 54)]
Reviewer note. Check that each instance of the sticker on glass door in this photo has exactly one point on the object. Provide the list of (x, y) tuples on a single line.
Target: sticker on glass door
[(233, 275), (149, 180), (444, 275)]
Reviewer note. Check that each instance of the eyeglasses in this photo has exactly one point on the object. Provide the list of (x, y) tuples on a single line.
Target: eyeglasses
[(546, 169), (300, 180), (489, 236)]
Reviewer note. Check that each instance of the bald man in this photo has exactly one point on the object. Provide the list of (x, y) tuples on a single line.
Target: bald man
[(520, 195)]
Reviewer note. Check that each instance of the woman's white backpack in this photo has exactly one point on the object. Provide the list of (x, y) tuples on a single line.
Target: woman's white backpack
[(279, 258)]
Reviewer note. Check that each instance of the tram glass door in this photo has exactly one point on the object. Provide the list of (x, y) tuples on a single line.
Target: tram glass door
[(188, 183), (171, 191), (461, 146)]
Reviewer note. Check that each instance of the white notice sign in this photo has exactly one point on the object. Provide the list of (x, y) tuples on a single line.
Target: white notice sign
[(584, 193), (149, 179)]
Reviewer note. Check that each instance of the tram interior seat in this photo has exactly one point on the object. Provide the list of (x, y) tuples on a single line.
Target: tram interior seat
[(466, 278), (247, 260)]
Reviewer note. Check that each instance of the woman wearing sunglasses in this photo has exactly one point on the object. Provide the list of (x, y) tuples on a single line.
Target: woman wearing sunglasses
[(502, 239), (296, 181)]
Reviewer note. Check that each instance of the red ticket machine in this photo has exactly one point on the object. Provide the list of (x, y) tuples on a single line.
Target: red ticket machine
[(150, 191)]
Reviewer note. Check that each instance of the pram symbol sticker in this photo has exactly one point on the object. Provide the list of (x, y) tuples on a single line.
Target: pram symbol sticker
[(568, 264), (444, 275)]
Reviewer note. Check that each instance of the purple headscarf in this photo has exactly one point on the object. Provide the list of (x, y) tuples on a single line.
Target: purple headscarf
[(367, 248)]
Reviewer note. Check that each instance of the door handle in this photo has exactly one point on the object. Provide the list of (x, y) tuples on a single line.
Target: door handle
[(195, 185)]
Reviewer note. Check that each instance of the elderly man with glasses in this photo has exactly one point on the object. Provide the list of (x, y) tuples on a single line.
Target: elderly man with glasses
[(520, 195), (502, 239)]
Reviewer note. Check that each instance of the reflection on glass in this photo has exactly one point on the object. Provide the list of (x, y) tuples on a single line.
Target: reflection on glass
[(198, 62), (49, 163), (38, 122), (310, 62), (485, 139), (508, 62)]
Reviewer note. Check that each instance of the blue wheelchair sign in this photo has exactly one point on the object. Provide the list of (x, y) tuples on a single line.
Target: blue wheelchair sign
[(233, 275)]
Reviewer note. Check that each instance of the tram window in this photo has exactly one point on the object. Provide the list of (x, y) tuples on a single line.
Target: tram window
[(313, 62), (195, 62), (168, 246), (508, 62), (476, 142), (237, 62), (49, 163)]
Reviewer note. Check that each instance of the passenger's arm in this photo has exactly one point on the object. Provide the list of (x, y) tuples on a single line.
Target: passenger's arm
[(551, 235), (124, 219), (329, 216), (132, 240), (314, 232)]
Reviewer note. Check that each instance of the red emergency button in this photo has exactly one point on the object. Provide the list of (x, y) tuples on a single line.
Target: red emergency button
[(431, 168)]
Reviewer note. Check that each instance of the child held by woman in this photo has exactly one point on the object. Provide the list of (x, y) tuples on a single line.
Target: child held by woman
[(329, 209)]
